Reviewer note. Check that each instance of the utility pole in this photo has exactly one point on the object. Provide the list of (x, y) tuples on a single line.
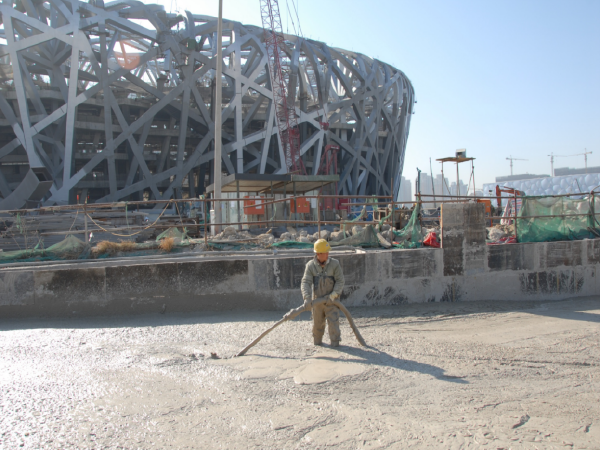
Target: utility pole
[(218, 131)]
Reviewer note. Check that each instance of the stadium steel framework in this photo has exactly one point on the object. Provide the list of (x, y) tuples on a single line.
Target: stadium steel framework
[(114, 102)]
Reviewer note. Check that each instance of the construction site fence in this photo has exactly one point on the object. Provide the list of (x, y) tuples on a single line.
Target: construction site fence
[(88, 209), (378, 201)]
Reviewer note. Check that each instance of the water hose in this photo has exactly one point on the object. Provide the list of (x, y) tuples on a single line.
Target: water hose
[(293, 313)]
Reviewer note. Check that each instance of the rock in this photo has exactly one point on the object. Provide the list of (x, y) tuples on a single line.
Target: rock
[(324, 234), (388, 235), (356, 230), (303, 239), (228, 231), (495, 234), (385, 227), (286, 237), (336, 229), (304, 233), (336, 236)]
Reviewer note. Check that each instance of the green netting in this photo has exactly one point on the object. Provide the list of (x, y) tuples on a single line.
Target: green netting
[(561, 228), (411, 235), (68, 248), (366, 238), (232, 246), (173, 233), (292, 244)]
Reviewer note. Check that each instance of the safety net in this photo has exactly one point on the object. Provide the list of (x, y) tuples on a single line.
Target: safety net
[(173, 233), (291, 244), (567, 219), (411, 235), (68, 248)]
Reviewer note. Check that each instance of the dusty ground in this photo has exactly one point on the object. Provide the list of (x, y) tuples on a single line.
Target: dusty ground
[(462, 375)]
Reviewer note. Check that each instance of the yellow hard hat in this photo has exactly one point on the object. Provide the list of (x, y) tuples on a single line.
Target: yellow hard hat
[(322, 246)]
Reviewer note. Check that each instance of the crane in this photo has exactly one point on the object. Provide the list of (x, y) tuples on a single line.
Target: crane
[(584, 154), (511, 159), (552, 156), (279, 69)]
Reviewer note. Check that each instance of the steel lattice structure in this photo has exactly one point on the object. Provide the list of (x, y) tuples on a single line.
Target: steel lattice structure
[(114, 101)]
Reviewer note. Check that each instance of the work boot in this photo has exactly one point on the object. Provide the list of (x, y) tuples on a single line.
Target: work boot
[(318, 341), (335, 343)]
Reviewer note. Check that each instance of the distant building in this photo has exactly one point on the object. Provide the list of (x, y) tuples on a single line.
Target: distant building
[(525, 176), (438, 188), (566, 184), (405, 192), (568, 171)]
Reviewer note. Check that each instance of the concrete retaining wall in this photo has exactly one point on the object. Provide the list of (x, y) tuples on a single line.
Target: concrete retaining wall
[(465, 269)]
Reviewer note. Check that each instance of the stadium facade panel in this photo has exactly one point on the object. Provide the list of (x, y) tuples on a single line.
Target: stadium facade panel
[(114, 102)]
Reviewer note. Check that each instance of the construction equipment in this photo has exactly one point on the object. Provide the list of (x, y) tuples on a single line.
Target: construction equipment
[(279, 70), (584, 154), (511, 162), (292, 314), (506, 190)]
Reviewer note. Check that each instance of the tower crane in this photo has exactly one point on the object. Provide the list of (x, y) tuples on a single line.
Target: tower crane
[(279, 69), (584, 154), (511, 159), (552, 156)]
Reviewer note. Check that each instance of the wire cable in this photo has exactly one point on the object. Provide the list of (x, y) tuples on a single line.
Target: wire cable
[(133, 234)]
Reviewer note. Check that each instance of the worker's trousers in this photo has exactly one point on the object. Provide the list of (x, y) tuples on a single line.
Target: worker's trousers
[(331, 314)]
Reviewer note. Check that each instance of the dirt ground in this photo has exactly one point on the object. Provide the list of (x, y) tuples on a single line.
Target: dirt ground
[(455, 375)]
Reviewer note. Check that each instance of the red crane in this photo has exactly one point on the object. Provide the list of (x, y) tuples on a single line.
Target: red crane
[(279, 68)]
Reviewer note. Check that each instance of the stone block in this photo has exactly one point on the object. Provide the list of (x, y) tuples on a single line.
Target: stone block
[(453, 261), (16, 288), (593, 251), (141, 282), (208, 277), (452, 214), (510, 257), (474, 259), (354, 268), (70, 286), (414, 263), (452, 239), (285, 273), (557, 254)]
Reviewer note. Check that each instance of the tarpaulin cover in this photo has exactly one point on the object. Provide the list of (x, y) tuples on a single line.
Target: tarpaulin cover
[(561, 228), (411, 235)]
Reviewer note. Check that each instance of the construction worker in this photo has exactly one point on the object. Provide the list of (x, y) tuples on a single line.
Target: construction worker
[(323, 277)]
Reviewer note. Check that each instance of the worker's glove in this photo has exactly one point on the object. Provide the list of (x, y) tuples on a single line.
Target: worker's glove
[(333, 296), (307, 303)]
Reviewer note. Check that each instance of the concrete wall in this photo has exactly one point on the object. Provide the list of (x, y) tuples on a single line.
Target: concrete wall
[(465, 269)]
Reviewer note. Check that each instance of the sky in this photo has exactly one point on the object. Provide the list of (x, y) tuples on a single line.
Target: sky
[(516, 78)]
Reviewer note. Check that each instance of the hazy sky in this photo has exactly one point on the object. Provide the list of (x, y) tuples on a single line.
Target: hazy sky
[(499, 78)]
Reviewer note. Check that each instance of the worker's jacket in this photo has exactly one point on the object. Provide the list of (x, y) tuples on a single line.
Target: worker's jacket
[(319, 281)]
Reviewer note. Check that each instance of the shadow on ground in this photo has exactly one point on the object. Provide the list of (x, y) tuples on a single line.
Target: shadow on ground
[(376, 357), (573, 309)]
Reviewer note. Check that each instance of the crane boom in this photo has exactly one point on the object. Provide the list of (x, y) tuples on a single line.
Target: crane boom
[(511, 159), (279, 69)]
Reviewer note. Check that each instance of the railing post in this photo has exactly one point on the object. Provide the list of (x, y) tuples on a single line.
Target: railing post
[(319, 214), (85, 221)]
